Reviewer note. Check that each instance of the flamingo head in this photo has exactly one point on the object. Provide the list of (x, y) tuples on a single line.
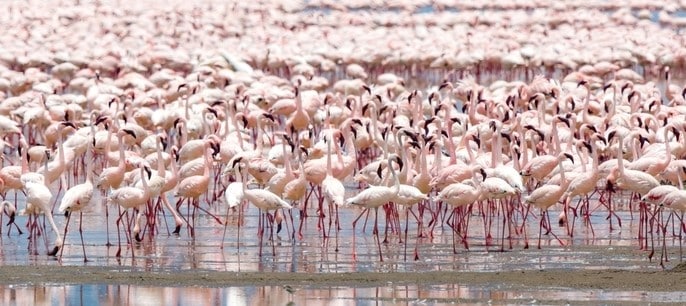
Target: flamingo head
[(569, 156)]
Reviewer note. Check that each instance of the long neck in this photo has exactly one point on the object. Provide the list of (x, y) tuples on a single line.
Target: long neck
[(144, 180), (108, 145), (541, 112), (186, 109), (564, 182), (375, 124), (205, 125), (496, 152), (668, 151), (555, 137), (328, 157), (396, 180), (160, 162), (298, 102), (401, 153), (174, 169), (237, 130), (60, 143), (226, 121), (594, 155), (208, 164), (572, 129), (258, 142), (451, 145), (423, 166), (438, 158), (419, 111), (470, 153), (286, 161), (89, 164), (620, 156), (23, 160), (240, 175), (184, 135), (122, 159)]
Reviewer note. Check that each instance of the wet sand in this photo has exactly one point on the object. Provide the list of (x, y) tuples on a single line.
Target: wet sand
[(667, 280)]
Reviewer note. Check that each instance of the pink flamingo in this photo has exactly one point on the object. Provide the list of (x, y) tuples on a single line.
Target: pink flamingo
[(375, 197)]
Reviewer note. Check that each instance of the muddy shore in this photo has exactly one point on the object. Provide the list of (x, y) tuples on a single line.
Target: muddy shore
[(667, 280)]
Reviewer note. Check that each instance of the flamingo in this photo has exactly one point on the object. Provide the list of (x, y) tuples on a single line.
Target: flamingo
[(583, 184), (39, 196), (233, 196), (77, 198), (632, 180), (156, 183), (112, 177), (334, 191), (10, 210), (131, 197), (407, 197), (540, 166), (458, 195), (193, 187), (375, 197), (265, 201), (170, 180), (545, 196)]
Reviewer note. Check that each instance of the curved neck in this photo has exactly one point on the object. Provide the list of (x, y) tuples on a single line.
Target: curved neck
[(144, 180)]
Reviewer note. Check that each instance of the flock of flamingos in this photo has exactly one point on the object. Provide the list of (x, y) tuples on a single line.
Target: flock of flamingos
[(409, 118)]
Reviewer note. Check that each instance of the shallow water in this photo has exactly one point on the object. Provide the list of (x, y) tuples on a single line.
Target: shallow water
[(588, 249), (602, 249), (280, 295)]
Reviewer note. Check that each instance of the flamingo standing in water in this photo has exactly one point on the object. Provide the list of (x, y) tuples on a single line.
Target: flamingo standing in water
[(131, 197), (10, 210), (77, 198), (265, 201), (545, 196), (375, 197), (334, 191), (112, 177), (233, 196), (459, 195), (193, 187), (38, 195)]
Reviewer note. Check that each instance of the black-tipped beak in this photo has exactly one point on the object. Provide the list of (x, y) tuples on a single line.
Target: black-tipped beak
[(54, 251), (483, 173), (570, 157), (236, 161), (601, 138), (130, 132), (12, 215), (100, 119), (492, 125), (148, 171), (477, 140), (611, 135), (400, 162)]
